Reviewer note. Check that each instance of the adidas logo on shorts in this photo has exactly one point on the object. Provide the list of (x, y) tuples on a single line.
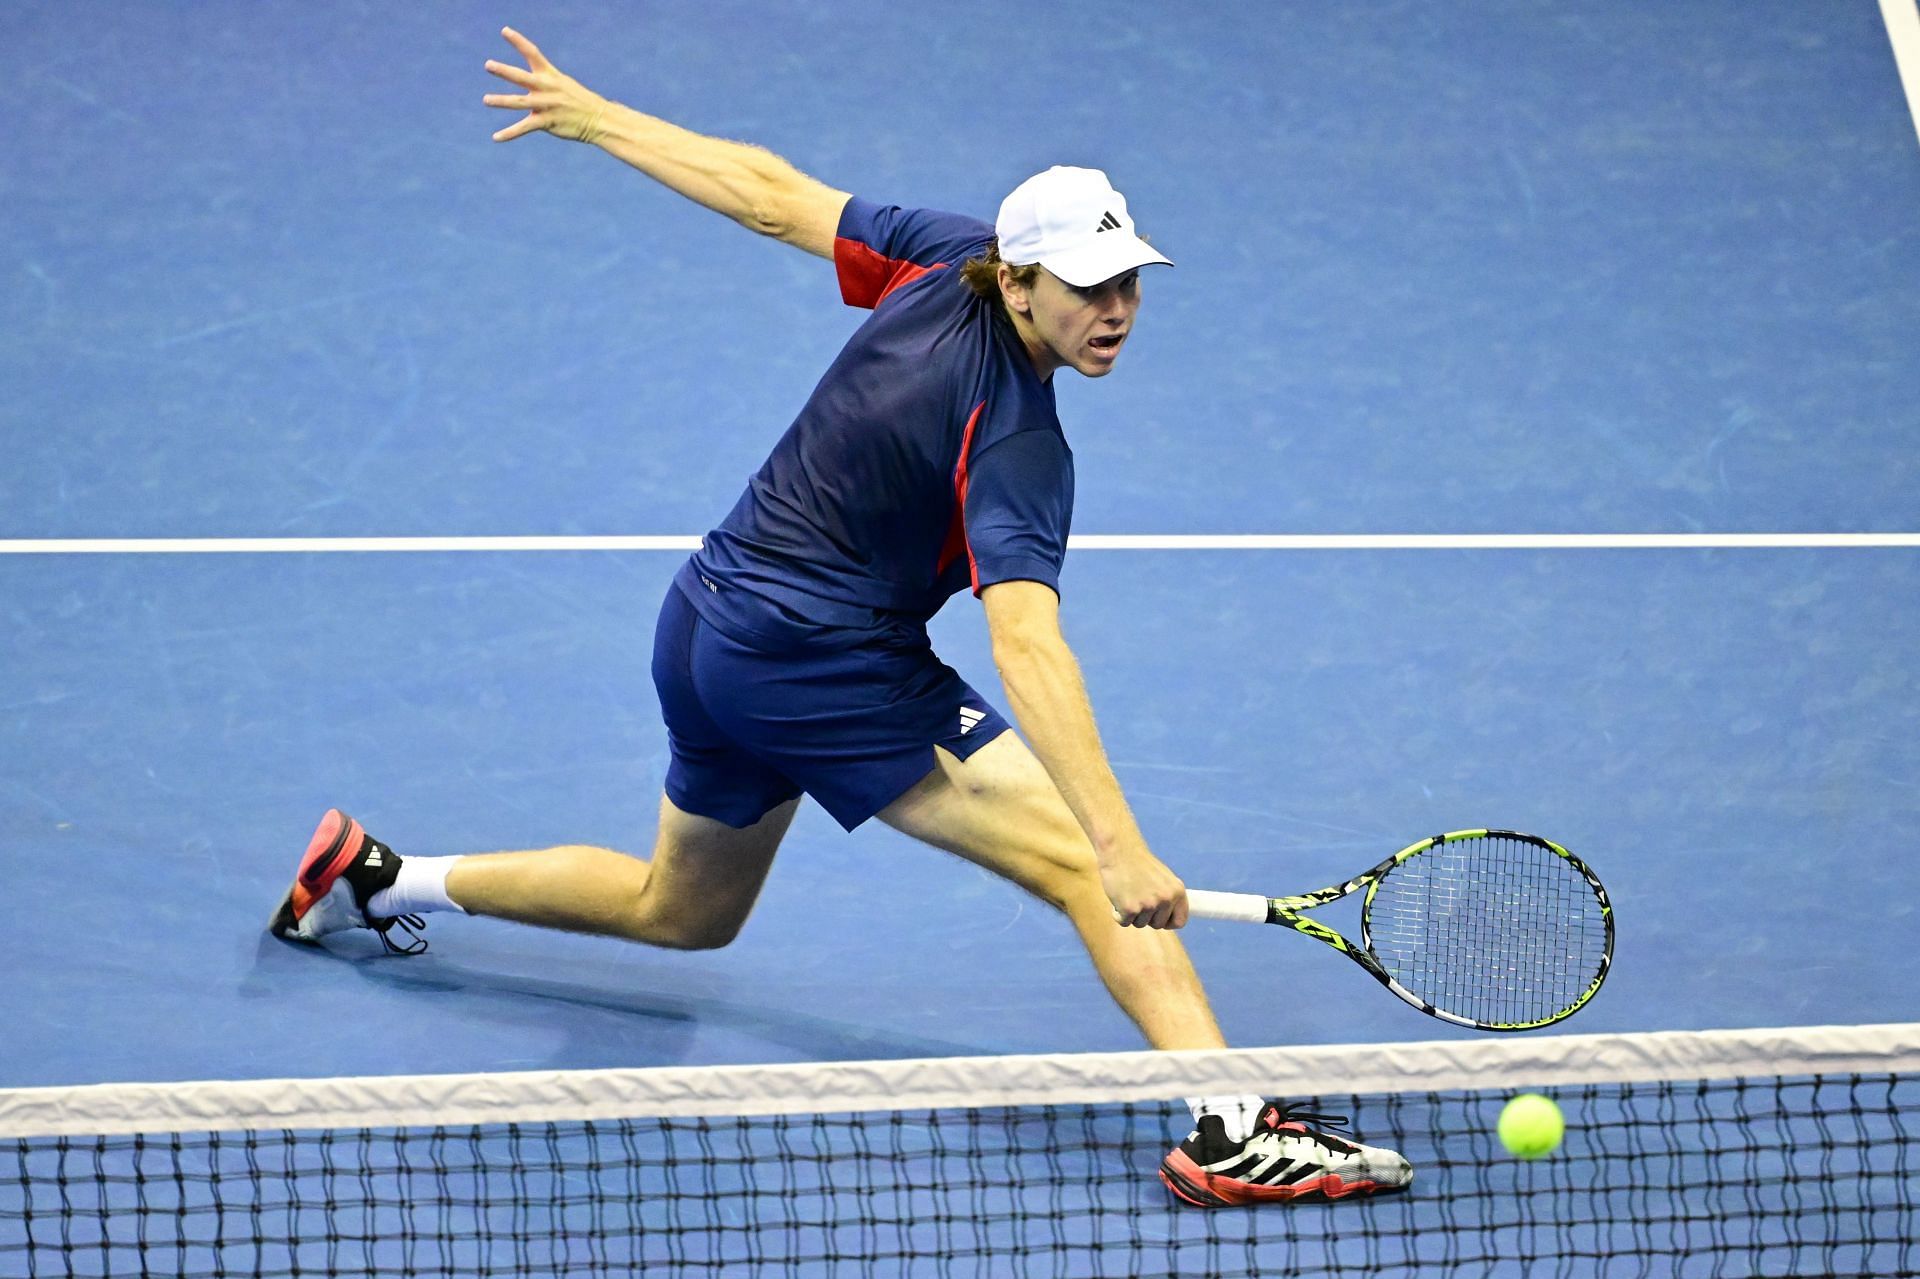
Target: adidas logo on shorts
[(970, 719)]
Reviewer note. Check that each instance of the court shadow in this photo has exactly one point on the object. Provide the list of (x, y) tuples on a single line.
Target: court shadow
[(605, 1010)]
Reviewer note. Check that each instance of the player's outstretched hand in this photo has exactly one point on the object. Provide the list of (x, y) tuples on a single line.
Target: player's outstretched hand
[(1144, 893), (554, 101)]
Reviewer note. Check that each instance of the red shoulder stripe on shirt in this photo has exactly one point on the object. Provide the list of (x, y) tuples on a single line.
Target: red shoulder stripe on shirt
[(867, 275), (957, 531)]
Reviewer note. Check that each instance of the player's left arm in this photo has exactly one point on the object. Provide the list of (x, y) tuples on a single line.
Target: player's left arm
[(746, 183)]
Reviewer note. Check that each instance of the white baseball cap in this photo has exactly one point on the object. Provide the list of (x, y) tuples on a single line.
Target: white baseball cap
[(1072, 222)]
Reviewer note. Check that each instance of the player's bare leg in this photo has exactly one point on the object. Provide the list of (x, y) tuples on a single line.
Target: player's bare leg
[(694, 893), (999, 809)]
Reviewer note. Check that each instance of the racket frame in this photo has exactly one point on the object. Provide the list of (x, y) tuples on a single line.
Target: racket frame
[(1286, 912)]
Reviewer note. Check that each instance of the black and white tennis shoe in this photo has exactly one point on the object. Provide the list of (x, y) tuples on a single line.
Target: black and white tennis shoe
[(342, 870), (1289, 1157)]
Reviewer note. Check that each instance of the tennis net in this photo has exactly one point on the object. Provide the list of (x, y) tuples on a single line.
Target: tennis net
[(1770, 1152)]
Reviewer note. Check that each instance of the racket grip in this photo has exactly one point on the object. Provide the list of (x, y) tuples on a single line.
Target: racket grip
[(1244, 908)]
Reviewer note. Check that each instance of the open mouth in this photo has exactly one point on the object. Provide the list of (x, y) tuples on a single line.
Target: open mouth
[(1107, 342)]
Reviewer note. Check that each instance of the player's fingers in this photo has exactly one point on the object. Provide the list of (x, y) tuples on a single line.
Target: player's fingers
[(511, 101), (515, 75), (528, 49), (518, 129)]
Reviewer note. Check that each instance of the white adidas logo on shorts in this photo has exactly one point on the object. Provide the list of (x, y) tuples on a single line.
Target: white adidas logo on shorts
[(970, 719)]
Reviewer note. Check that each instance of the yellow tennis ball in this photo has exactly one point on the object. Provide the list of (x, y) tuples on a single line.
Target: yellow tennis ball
[(1531, 1125)]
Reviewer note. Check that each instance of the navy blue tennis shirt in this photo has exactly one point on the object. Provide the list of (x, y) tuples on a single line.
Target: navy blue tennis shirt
[(928, 459)]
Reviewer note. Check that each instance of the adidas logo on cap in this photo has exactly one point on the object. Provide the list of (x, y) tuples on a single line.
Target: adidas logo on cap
[(1108, 223)]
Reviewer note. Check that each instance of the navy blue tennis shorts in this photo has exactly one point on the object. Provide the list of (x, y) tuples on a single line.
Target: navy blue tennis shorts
[(855, 728)]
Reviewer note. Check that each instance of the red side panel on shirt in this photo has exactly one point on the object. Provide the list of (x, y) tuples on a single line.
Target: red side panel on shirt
[(867, 275), (957, 531)]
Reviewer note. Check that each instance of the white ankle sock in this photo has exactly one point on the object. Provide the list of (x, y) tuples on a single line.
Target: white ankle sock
[(1238, 1113), (420, 887)]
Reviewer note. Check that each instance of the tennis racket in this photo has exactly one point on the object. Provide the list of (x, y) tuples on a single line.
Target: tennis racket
[(1484, 928)]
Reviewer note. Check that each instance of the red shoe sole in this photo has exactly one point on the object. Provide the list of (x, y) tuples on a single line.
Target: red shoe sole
[(331, 850)]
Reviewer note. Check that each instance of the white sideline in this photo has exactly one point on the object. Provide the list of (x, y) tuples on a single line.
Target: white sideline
[(953, 1082), (1903, 29)]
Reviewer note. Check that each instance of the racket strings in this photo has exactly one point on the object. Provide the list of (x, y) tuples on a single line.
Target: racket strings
[(1496, 929)]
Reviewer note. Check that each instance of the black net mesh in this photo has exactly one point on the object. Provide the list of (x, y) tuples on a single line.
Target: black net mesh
[(1810, 1175)]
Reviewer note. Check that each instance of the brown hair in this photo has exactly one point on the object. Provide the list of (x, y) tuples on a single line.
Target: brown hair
[(982, 274)]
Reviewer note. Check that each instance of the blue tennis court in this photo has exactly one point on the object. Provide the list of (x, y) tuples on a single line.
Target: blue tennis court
[(1483, 268)]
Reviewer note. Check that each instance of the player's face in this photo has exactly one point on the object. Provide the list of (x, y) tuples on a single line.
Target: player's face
[(1078, 328)]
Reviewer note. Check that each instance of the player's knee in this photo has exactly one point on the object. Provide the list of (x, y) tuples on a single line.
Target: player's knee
[(1068, 884), (680, 930), (698, 936), (704, 937)]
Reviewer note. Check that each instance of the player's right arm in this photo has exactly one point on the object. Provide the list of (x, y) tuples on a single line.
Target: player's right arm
[(749, 184), (1049, 698)]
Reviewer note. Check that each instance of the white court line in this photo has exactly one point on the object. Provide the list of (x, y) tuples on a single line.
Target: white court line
[(1081, 542), (1481, 541), (1903, 28)]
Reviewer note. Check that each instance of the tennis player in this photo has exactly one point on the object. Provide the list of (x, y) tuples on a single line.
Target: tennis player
[(791, 655)]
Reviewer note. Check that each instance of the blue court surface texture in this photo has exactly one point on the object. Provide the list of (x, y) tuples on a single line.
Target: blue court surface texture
[(1583, 267)]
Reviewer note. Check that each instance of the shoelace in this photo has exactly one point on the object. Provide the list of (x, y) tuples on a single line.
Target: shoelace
[(411, 925), (1300, 1113)]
